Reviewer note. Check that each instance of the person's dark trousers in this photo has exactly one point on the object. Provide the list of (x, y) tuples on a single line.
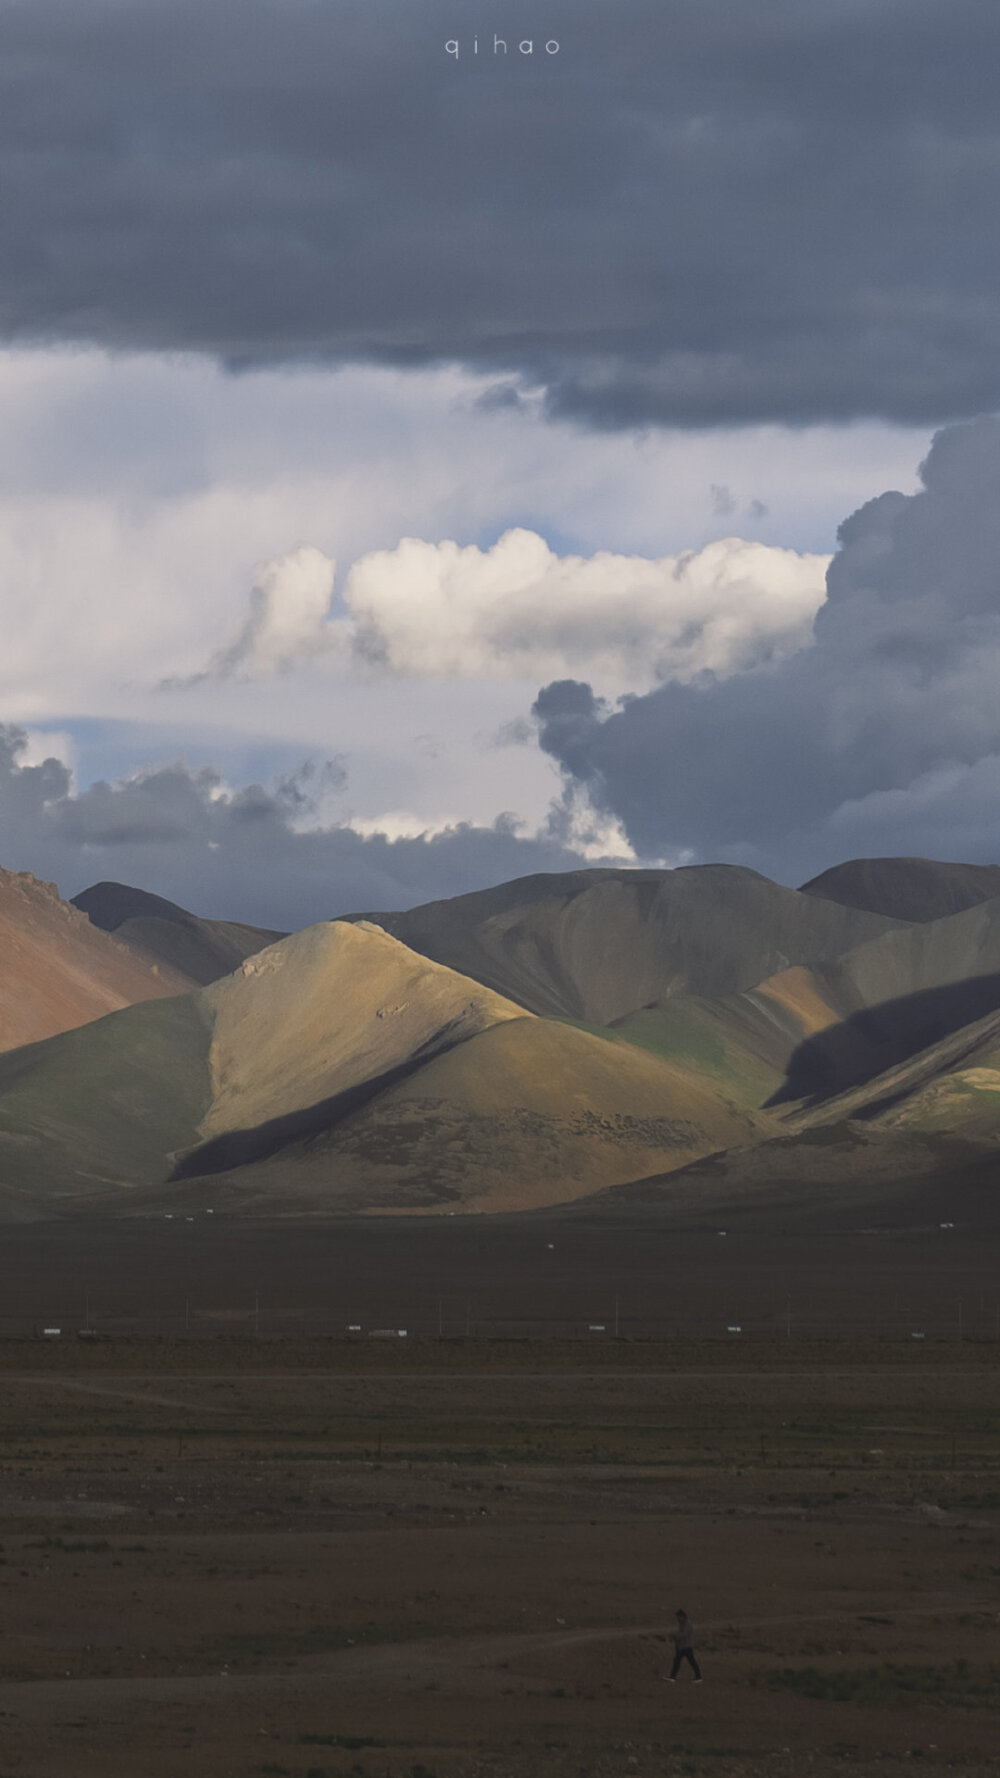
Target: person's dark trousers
[(684, 1654)]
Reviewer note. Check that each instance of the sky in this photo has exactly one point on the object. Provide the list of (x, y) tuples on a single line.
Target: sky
[(424, 462)]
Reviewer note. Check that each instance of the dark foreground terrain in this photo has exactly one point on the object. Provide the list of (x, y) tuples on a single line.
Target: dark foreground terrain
[(461, 1557)]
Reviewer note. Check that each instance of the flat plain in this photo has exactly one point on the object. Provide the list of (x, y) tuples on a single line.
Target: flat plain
[(234, 1558)]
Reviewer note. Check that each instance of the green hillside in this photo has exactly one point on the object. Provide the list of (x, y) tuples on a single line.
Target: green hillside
[(108, 1104)]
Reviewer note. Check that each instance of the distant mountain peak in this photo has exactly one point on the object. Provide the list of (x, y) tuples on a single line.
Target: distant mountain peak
[(167, 935), (109, 905), (914, 889)]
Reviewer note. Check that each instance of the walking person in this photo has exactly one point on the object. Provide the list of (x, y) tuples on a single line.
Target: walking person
[(684, 1649)]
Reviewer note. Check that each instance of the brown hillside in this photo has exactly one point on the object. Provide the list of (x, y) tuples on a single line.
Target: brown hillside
[(525, 1114), (327, 1011), (58, 971), (288, 1044)]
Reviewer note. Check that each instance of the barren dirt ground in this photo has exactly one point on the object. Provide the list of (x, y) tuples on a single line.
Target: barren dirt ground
[(311, 1558)]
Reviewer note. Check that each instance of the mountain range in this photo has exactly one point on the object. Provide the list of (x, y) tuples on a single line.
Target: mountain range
[(607, 1037)]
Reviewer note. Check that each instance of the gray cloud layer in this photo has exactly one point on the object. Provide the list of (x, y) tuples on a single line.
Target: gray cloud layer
[(242, 854), (884, 736), (698, 212)]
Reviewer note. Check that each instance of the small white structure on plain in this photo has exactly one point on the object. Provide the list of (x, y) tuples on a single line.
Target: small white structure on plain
[(51, 1333), (946, 1225), (354, 1327), (917, 1336), (596, 1327), (734, 1327), (551, 1246), (722, 1231)]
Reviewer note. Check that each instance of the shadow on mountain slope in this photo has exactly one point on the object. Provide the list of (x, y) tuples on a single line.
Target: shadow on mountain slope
[(880, 1037), (240, 1148)]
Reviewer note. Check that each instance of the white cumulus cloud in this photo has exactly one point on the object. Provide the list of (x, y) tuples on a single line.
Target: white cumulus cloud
[(287, 617), (520, 611)]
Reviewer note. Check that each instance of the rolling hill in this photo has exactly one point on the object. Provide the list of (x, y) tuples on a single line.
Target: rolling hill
[(907, 888), (550, 1040), (527, 1114), (889, 1071), (596, 945), (57, 971), (337, 1070), (808, 1034)]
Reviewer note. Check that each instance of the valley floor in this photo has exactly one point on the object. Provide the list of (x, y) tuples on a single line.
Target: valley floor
[(823, 1264), (229, 1559)]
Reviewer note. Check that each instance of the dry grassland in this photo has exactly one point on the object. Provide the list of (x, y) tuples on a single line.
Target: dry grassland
[(311, 1559)]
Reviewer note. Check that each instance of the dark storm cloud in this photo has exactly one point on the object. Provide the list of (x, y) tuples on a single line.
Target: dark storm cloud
[(699, 211), (883, 735), (241, 854)]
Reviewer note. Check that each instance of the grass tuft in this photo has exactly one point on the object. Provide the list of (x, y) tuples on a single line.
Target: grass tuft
[(956, 1685)]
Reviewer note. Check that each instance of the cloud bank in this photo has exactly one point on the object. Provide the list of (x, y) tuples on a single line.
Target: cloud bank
[(697, 213), (880, 735), (884, 736), (262, 855), (518, 610)]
